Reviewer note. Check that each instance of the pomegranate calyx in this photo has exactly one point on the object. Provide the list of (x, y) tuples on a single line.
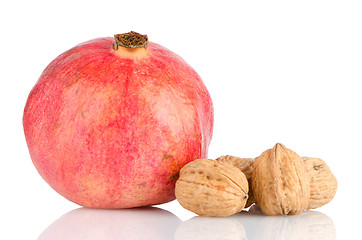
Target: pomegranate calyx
[(130, 40)]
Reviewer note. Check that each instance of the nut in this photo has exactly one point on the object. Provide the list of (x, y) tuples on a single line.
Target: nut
[(210, 188), (280, 182), (246, 166), (323, 184)]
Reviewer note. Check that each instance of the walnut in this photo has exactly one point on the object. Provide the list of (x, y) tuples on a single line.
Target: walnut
[(323, 184), (280, 182), (210, 188)]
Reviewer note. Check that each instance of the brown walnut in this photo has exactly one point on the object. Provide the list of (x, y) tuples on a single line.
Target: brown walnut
[(211, 188), (280, 182), (323, 184)]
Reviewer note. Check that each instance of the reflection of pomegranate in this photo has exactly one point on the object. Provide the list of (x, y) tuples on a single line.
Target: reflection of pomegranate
[(140, 223), (110, 124)]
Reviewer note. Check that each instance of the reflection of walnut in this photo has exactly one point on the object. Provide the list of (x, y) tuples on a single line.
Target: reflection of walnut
[(202, 228), (280, 182), (306, 225), (246, 166), (210, 188), (323, 184)]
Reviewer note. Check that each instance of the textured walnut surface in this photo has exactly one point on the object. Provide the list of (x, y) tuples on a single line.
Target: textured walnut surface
[(323, 184), (280, 182), (246, 166), (210, 188)]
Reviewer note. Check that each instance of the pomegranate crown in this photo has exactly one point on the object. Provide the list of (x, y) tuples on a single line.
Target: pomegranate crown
[(130, 40)]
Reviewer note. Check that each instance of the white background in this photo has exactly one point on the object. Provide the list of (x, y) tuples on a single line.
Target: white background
[(277, 71)]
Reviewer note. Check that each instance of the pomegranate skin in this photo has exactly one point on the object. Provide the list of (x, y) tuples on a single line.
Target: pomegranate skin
[(107, 130)]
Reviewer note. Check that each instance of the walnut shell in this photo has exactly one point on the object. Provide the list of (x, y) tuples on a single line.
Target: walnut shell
[(280, 182), (323, 184), (246, 166), (210, 188)]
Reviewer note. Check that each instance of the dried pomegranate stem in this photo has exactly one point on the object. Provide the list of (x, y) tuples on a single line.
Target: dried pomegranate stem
[(130, 40)]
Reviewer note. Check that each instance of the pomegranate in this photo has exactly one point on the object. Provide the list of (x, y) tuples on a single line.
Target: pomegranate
[(110, 122)]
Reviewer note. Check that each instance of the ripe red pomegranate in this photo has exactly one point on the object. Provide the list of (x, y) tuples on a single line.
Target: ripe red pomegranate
[(110, 122)]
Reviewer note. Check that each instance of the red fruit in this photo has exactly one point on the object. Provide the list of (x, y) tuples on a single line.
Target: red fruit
[(110, 127)]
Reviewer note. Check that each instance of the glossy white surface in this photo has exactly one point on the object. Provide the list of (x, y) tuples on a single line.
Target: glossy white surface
[(278, 71), (155, 223)]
